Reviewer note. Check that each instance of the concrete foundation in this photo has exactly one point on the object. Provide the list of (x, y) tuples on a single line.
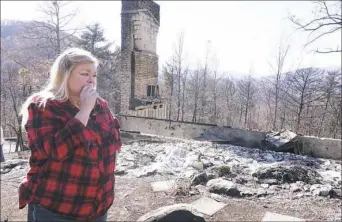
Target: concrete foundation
[(186, 130), (320, 147)]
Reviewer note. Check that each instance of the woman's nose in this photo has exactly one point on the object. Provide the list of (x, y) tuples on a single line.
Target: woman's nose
[(91, 79)]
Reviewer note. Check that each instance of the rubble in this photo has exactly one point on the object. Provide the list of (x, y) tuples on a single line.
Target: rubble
[(222, 170), (335, 193), (253, 172), (288, 174), (219, 171), (283, 141), (8, 165), (221, 186), (199, 179)]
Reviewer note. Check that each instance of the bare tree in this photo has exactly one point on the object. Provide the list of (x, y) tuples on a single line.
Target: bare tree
[(22, 73), (175, 71), (205, 72), (301, 89), (12, 86), (304, 100), (169, 81), (194, 87), (214, 90), (336, 114), (331, 85), (184, 81), (228, 94), (53, 34), (267, 100), (247, 90), (327, 20), (276, 78), (181, 70)]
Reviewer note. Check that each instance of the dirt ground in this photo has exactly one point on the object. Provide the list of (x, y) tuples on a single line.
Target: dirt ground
[(134, 198)]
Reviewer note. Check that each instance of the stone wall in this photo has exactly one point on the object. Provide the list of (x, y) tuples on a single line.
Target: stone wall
[(313, 146), (125, 66), (146, 72), (152, 7), (125, 81), (186, 130), (320, 147), (145, 30)]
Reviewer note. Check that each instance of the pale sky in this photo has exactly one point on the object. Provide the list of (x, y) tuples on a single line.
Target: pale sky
[(243, 34)]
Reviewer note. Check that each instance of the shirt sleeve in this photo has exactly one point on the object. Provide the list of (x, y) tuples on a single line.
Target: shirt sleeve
[(115, 125), (52, 136)]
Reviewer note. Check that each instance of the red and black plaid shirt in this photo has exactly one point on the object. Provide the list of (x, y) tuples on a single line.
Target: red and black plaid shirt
[(71, 166)]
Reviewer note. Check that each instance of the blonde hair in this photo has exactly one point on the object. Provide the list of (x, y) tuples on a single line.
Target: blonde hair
[(57, 87)]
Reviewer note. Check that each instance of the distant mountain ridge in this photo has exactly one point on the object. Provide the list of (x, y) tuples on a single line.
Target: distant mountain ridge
[(10, 29)]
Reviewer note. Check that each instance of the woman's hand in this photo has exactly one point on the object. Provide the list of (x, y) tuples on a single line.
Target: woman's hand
[(88, 98)]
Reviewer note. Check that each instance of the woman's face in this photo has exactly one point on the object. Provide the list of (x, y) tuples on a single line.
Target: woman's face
[(82, 75)]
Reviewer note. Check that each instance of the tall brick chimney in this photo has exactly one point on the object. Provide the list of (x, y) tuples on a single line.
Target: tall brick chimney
[(140, 22)]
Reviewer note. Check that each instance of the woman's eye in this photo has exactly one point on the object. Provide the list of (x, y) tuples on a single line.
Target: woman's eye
[(84, 74)]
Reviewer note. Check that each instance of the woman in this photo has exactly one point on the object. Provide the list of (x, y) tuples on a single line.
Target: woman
[(73, 138)]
